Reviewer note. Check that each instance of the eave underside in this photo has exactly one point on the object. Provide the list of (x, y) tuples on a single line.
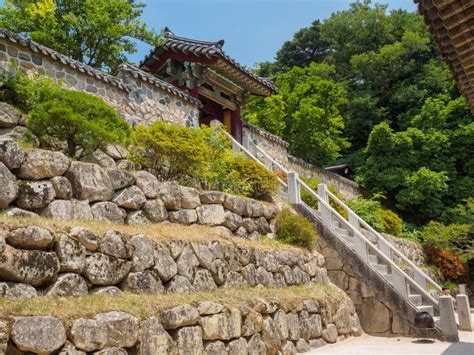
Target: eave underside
[(452, 24)]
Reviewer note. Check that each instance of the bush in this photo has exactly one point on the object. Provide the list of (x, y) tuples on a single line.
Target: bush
[(381, 219), (84, 122), (313, 183), (175, 152), (295, 230), (24, 92), (452, 268)]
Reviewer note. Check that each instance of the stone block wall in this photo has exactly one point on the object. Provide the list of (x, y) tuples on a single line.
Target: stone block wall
[(76, 261), (263, 326), (139, 97)]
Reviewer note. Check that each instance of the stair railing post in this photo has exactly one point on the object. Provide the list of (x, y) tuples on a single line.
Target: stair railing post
[(400, 283), (246, 142), (360, 247), (447, 321), (420, 278), (385, 248), (294, 196), (235, 147), (326, 214), (354, 221), (464, 313), (463, 289)]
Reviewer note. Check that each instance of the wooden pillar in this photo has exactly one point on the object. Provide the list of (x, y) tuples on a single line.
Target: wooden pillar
[(228, 121), (236, 129)]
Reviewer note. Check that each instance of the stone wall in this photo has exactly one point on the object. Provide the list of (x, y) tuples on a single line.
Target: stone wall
[(106, 187), (137, 96), (76, 261), (263, 326)]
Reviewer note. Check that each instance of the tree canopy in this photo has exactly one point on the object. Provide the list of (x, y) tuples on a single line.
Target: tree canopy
[(97, 32), (397, 119)]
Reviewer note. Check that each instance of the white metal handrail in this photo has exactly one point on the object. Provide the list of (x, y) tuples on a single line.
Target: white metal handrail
[(389, 245), (368, 243)]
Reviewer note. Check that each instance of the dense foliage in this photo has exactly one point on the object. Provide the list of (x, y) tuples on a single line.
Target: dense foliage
[(97, 32), (393, 114), (200, 157), (295, 230), (84, 122)]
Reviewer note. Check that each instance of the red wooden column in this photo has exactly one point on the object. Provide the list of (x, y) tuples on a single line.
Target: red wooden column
[(236, 128)]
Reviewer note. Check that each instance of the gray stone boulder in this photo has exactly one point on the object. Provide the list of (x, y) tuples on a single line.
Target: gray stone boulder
[(31, 237), (71, 253), (281, 322), (106, 290), (143, 282), (62, 187), (143, 253), (116, 151), (106, 270), (294, 332), (32, 267), (106, 330), (124, 164), (237, 347), (42, 164), (86, 237), (165, 266), (34, 194), (8, 188), (375, 317), (120, 178), (302, 346), (137, 218), (204, 254), (330, 334), (236, 204), (100, 158), (38, 334), (256, 345), (90, 182), (222, 326), (68, 284), (4, 335), (270, 335), (310, 325), (131, 197), (17, 290), (232, 220), (203, 281), (183, 216), (153, 338), (169, 192), (9, 116), (180, 284), (212, 197), (212, 215), (289, 349), (11, 154), (207, 308), (2, 243), (189, 197), (116, 244), (180, 316), (188, 340), (148, 183), (107, 211), (68, 210), (155, 210), (215, 348), (19, 212), (187, 263), (252, 324), (112, 351)]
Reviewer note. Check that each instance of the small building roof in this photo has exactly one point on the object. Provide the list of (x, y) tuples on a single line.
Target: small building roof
[(219, 61), (452, 24)]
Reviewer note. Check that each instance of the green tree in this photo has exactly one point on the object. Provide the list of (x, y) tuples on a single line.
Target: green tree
[(305, 112), (84, 122), (97, 32)]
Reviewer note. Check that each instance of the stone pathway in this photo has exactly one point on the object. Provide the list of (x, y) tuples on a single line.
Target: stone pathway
[(377, 345)]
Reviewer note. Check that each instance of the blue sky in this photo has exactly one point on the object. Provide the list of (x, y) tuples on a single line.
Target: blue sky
[(253, 30)]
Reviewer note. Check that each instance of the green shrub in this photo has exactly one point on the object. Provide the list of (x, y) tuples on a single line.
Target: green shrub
[(24, 92), (295, 230), (176, 152), (390, 221), (84, 122), (313, 183)]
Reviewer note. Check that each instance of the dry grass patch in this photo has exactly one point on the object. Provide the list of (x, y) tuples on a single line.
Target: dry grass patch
[(157, 231), (143, 306)]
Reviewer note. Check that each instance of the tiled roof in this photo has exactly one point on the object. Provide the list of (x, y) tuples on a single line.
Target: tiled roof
[(452, 24), (137, 73), (208, 49), (39, 48)]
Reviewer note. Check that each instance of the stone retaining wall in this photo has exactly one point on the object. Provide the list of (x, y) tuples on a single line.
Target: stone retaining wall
[(41, 182), (138, 96), (260, 327), (77, 262)]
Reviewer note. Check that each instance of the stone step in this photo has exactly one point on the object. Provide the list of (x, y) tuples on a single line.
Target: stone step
[(426, 308), (373, 259), (341, 231), (383, 269), (416, 299)]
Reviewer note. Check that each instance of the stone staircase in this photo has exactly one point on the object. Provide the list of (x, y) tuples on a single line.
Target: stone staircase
[(413, 286)]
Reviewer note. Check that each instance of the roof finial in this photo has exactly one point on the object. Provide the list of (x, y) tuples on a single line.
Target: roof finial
[(168, 31), (220, 43)]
